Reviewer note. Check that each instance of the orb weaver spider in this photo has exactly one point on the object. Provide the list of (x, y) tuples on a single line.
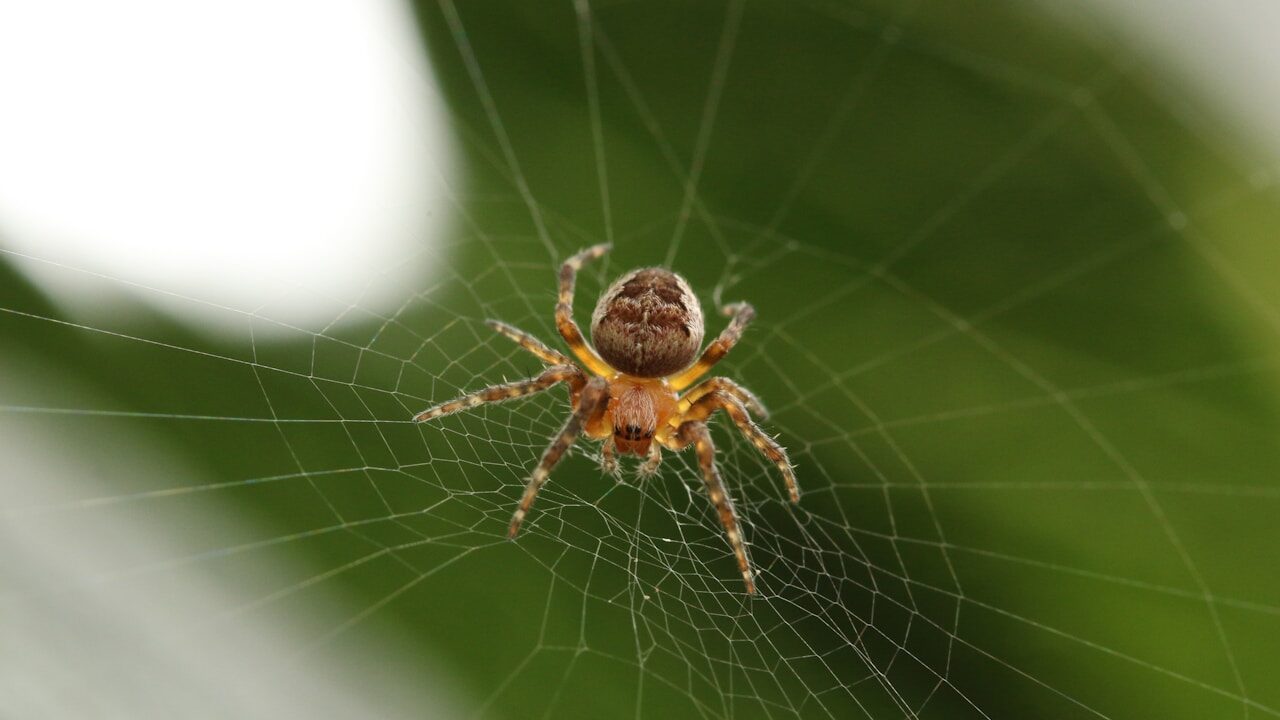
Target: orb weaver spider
[(646, 330)]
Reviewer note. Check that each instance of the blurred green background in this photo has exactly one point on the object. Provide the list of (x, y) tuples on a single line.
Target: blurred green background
[(1016, 294)]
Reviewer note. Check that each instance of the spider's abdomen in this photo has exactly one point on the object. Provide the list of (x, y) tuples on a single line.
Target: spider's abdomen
[(648, 323)]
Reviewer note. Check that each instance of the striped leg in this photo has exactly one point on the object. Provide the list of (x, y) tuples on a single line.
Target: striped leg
[(742, 315), (594, 396), (727, 386), (769, 447), (507, 391), (697, 434), (564, 311), (530, 343)]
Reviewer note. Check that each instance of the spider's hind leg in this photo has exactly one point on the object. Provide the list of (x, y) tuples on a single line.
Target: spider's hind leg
[(564, 311), (740, 315), (530, 343)]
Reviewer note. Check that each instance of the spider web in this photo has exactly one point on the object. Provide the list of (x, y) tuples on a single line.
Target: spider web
[(1035, 442)]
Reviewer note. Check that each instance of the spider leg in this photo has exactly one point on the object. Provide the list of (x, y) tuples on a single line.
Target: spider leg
[(696, 433), (507, 391), (530, 343), (594, 396), (564, 311), (741, 315), (725, 385), (769, 447)]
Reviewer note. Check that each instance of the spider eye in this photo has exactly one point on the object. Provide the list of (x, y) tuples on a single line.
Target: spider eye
[(632, 432)]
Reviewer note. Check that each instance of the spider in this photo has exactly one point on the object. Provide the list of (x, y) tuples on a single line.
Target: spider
[(646, 329)]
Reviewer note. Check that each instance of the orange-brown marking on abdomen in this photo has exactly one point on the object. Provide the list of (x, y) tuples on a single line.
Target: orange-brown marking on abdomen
[(648, 323)]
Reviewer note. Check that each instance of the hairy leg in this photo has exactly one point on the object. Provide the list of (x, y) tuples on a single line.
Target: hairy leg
[(594, 396), (741, 315), (697, 434), (769, 447), (507, 391), (530, 343), (564, 311), (727, 386)]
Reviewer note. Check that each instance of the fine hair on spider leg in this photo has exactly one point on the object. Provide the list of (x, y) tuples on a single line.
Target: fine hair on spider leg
[(507, 391), (565, 324), (733, 407), (697, 434), (528, 342), (727, 386), (593, 398), (741, 314)]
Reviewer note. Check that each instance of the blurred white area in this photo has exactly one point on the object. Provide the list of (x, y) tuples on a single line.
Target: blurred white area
[(1228, 50), (249, 153), (100, 616), (273, 156)]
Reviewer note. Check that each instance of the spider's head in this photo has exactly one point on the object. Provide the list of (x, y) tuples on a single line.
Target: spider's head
[(635, 420), (648, 323)]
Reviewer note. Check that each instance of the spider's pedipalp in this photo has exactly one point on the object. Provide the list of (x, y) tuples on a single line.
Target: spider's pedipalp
[(508, 391), (769, 447), (608, 458), (565, 323), (594, 395), (530, 343), (741, 314), (650, 466)]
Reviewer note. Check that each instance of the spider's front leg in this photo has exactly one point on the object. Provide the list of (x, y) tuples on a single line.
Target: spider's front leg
[(594, 396), (696, 434), (733, 407)]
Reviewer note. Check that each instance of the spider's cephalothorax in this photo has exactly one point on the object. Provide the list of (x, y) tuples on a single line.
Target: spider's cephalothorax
[(647, 329)]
